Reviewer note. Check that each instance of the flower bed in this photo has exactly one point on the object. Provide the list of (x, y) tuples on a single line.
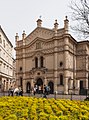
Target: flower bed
[(30, 108)]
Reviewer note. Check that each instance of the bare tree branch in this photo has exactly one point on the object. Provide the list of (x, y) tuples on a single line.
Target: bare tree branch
[(80, 15)]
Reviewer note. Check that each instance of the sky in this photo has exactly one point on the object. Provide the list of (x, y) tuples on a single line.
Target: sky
[(19, 15)]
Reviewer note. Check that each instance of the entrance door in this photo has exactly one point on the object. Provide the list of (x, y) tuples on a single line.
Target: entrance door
[(81, 84), (39, 82), (51, 85), (82, 90), (28, 87)]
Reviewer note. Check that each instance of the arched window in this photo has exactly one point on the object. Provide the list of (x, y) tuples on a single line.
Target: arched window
[(61, 64), (36, 62), (38, 45), (41, 61), (21, 82), (20, 68), (61, 79)]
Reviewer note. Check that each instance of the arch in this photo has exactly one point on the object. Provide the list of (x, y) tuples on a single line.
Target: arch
[(21, 82), (41, 61), (39, 82), (61, 79), (36, 62), (28, 87), (51, 85)]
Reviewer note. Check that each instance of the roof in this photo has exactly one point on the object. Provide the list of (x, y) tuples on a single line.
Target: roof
[(6, 36)]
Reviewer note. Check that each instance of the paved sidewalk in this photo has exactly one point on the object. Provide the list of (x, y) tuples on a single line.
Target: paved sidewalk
[(73, 97)]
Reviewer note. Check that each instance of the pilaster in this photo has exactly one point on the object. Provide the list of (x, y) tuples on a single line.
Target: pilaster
[(38, 61), (66, 57), (32, 82), (24, 64), (66, 85), (55, 65)]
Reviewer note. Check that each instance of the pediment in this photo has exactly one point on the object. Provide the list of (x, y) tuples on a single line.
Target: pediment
[(39, 32), (36, 44)]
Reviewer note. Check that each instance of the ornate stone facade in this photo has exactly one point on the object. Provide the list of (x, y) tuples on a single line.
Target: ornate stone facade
[(52, 57)]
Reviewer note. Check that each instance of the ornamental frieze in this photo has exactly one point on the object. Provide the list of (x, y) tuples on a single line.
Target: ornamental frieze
[(41, 33), (31, 54), (81, 52)]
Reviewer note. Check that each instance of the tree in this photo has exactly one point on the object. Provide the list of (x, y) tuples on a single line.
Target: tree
[(80, 16)]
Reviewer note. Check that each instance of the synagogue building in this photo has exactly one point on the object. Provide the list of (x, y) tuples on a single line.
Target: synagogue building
[(52, 57)]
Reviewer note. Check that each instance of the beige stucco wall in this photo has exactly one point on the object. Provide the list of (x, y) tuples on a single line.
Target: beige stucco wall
[(56, 45)]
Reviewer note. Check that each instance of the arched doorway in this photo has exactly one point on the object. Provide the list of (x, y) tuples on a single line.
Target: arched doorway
[(28, 87), (51, 85), (39, 82), (39, 85)]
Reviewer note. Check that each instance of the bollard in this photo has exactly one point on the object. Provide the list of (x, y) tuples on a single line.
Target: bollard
[(71, 96), (55, 93)]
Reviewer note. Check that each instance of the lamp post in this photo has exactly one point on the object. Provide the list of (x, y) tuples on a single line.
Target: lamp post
[(45, 83)]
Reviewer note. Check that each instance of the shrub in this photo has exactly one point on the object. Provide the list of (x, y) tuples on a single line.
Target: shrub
[(11, 117)]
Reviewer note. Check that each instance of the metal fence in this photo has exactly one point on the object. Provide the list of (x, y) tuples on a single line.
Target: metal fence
[(56, 96)]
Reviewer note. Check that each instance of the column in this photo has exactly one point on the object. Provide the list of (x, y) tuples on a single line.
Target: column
[(66, 77), (86, 82), (66, 86), (55, 66), (45, 81), (32, 82), (33, 63), (77, 84), (71, 84), (24, 69), (24, 85), (39, 62)]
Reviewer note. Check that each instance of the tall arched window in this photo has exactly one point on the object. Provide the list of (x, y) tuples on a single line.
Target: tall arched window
[(41, 61), (36, 62), (61, 79), (21, 82)]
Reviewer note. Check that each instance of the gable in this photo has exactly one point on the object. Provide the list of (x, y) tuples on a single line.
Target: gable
[(39, 33)]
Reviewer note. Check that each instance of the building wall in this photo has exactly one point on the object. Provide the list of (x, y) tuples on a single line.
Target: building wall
[(65, 61), (6, 62)]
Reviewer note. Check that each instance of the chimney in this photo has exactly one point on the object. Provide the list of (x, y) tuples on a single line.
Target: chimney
[(39, 22), (23, 35), (66, 25)]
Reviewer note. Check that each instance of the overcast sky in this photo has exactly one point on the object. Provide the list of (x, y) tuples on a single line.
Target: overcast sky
[(19, 15)]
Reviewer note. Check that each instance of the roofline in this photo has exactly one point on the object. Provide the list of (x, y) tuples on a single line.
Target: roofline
[(41, 28), (85, 41), (6, 36)]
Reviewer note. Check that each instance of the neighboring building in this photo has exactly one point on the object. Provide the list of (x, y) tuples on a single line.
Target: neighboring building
[(14, 74), (54, 58), (6, 62)]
